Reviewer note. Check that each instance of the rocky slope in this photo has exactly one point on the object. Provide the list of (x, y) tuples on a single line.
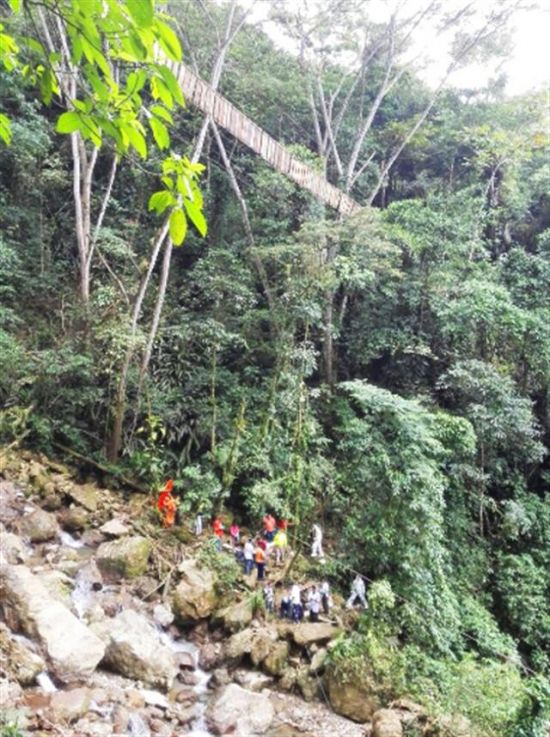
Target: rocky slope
[(111, 626)]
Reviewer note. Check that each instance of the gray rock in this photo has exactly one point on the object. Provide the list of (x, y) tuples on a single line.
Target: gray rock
[(195, 596), (70, 646), (39, 526), (134, 649), (18, 661), (125, 558), (68, 706), (241, 713)]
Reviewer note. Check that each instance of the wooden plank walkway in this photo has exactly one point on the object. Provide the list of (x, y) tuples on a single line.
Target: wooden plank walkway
[(231, 119)]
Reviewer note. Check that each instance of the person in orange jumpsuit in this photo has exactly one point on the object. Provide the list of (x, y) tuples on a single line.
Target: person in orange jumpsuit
[(167, 505), (217, 527)]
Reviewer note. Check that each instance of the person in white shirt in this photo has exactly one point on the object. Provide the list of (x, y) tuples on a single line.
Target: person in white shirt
[(198, 524), (317, 545), (248, 557), (314, 604), (324, 591), (357, 592)]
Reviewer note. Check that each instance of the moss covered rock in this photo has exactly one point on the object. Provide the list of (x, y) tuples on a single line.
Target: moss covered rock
[(125, 558)]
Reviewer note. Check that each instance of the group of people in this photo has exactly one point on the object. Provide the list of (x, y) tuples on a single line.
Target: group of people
[(296, 601), (255, 551)]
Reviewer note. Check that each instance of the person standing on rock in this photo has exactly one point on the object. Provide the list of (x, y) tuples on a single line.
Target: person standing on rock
[(314, 604), (198, 524), (217, 527), (269, 596), (357, 592), (280, 542), (234, 533), (269, 527), (167, 505), (259, 557), (317, 545), (296, 603), (248, 557), (324, 590)]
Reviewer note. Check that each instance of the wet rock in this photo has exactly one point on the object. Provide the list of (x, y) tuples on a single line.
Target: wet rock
[(125, 558), (185, 661), (183, 695), (91, 538), (163, 615), (114, 528), (220, 677), (189, 678), (73, 519), (154, 698), (18, 661), (68, 706), (86, 495), (39, 526), (58, 584), (210, 655), (240, 713), (310, 632), (52, 502), (356, 700), (276, 660), (195, 596), (72, 648), (134, 650)]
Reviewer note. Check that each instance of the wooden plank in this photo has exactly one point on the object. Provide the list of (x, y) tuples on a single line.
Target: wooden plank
[(231, 119)]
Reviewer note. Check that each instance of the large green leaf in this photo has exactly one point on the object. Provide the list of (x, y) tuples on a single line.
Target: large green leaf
[(169, 41), (68, 122), (159, 201), (196, 216), (178, 226), (5, 129), (142, 11), (160, 133)]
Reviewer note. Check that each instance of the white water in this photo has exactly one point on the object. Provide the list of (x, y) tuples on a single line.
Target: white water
[(69, 541), (199, 728), (46, 683)]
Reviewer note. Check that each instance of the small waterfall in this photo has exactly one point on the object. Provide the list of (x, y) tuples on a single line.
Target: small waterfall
[(69, 541), (199, 727), (46, 683)]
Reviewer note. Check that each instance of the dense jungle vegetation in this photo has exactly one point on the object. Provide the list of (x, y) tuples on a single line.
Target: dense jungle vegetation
[(387, 374)]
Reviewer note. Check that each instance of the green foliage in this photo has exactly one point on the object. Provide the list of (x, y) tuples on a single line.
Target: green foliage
[(227, 570)]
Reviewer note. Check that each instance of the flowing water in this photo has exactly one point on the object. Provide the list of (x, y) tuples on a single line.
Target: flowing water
[(69, 541), (46, 683), (199, 727)]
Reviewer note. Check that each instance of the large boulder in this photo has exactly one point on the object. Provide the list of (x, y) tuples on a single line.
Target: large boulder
[(125, 558), (240, 713), (387, 723), (237, 616), (309, 633), (39, 526), (18, 661), (355, 699), (86, 495), (134, 649), (256, 641), (195, 596), (72, 648)]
